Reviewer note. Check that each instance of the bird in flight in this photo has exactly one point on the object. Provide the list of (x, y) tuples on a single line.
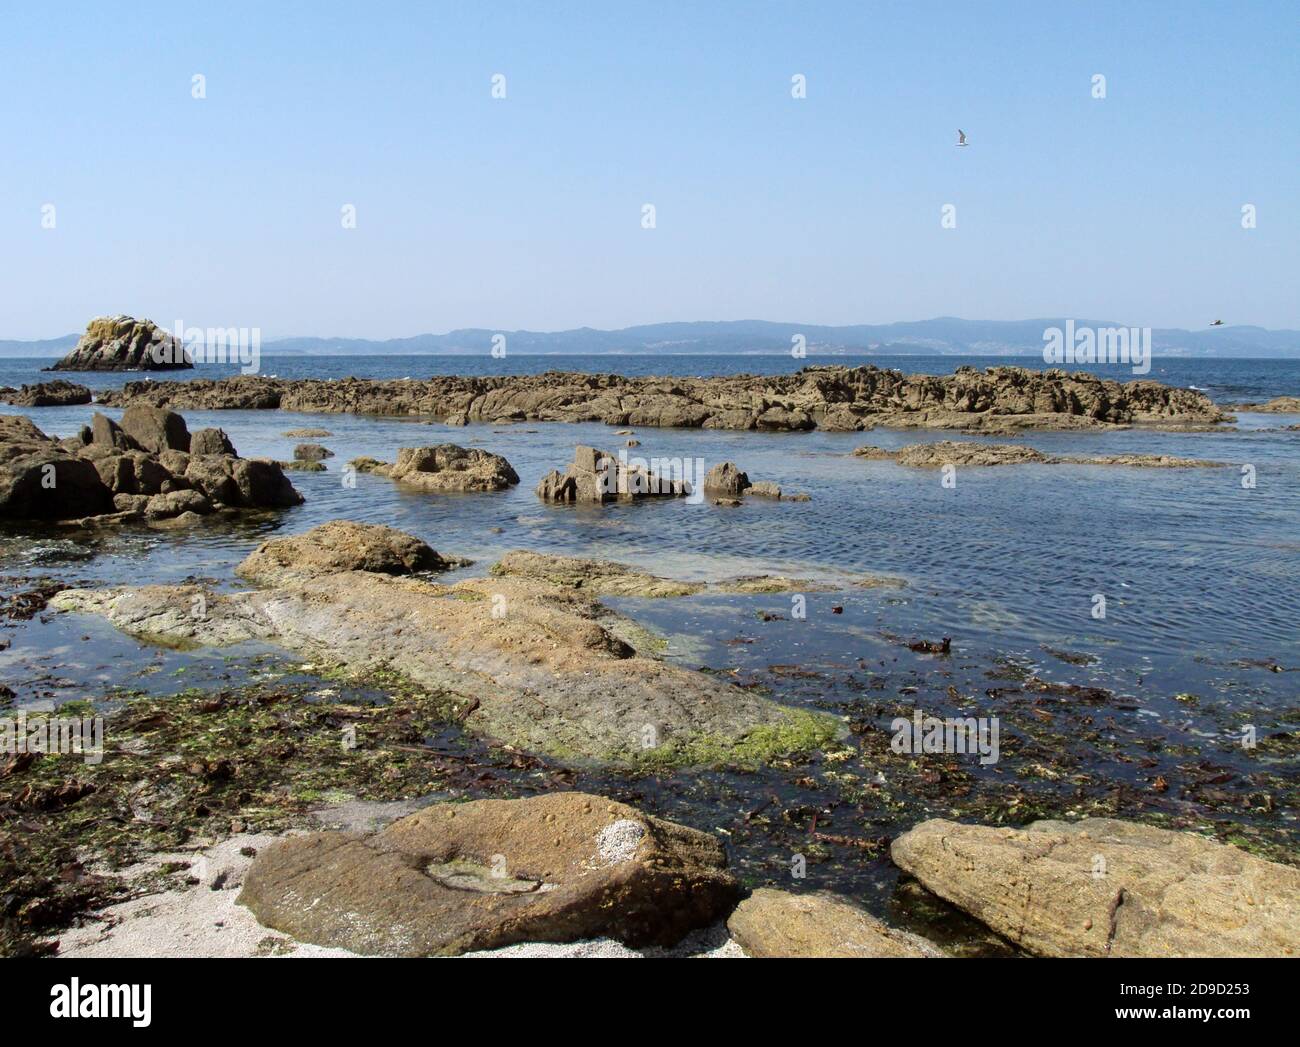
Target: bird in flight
[(961, 136), (1217, 323)]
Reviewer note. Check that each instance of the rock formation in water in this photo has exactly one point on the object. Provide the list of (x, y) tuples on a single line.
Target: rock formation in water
[(123, 343), (57, 393), (150, 467), (837, 398), (444, 468), (596, 477)]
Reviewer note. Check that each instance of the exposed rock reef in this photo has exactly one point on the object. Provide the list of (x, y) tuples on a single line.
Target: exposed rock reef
[(1101, 887), (597, 477), (444, 468), (541, 667), (57, 393), (773, 923), (150, 467), (123, 343), (1277, 405), (839, 398), (948, 452), (480, 875)]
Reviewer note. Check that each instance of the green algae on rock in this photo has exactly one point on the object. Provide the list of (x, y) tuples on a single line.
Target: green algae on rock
[(547, 669)]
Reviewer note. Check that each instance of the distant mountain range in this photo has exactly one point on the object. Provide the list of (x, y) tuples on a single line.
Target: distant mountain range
[(945, 336)]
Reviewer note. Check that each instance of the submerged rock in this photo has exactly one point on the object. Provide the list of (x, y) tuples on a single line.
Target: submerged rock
[(444, 468), (598, 577), (47, 394), (948, 452), (1277, 405), (122, 343), (457, 877), (772, 923), (968, 453), (1102, 887)]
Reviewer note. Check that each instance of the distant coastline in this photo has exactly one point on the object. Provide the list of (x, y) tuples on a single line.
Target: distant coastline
[(945, 336)]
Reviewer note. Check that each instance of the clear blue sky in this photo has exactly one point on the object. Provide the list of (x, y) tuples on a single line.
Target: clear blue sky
[(526, 212)]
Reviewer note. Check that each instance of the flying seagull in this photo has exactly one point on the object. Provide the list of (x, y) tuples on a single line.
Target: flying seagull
[(1217, 323), (961, 136)]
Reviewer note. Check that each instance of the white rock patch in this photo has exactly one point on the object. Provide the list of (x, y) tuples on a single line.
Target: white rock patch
[(618, 841)]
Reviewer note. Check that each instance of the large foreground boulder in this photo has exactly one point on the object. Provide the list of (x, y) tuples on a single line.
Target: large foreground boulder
[(445, 468), (1102, 887), (773, 923), (341, 545), (123, 343), (480, 875)]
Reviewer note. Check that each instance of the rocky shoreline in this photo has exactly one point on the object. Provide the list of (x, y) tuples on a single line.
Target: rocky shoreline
[(530, 661), (998, 399)]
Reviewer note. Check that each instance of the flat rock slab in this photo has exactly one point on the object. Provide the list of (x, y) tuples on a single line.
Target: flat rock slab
[(1102, 887), (480, 875), (773, 923), (531, 664)]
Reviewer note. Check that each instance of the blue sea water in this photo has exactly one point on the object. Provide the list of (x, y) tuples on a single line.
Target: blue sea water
[(1192, 559)]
